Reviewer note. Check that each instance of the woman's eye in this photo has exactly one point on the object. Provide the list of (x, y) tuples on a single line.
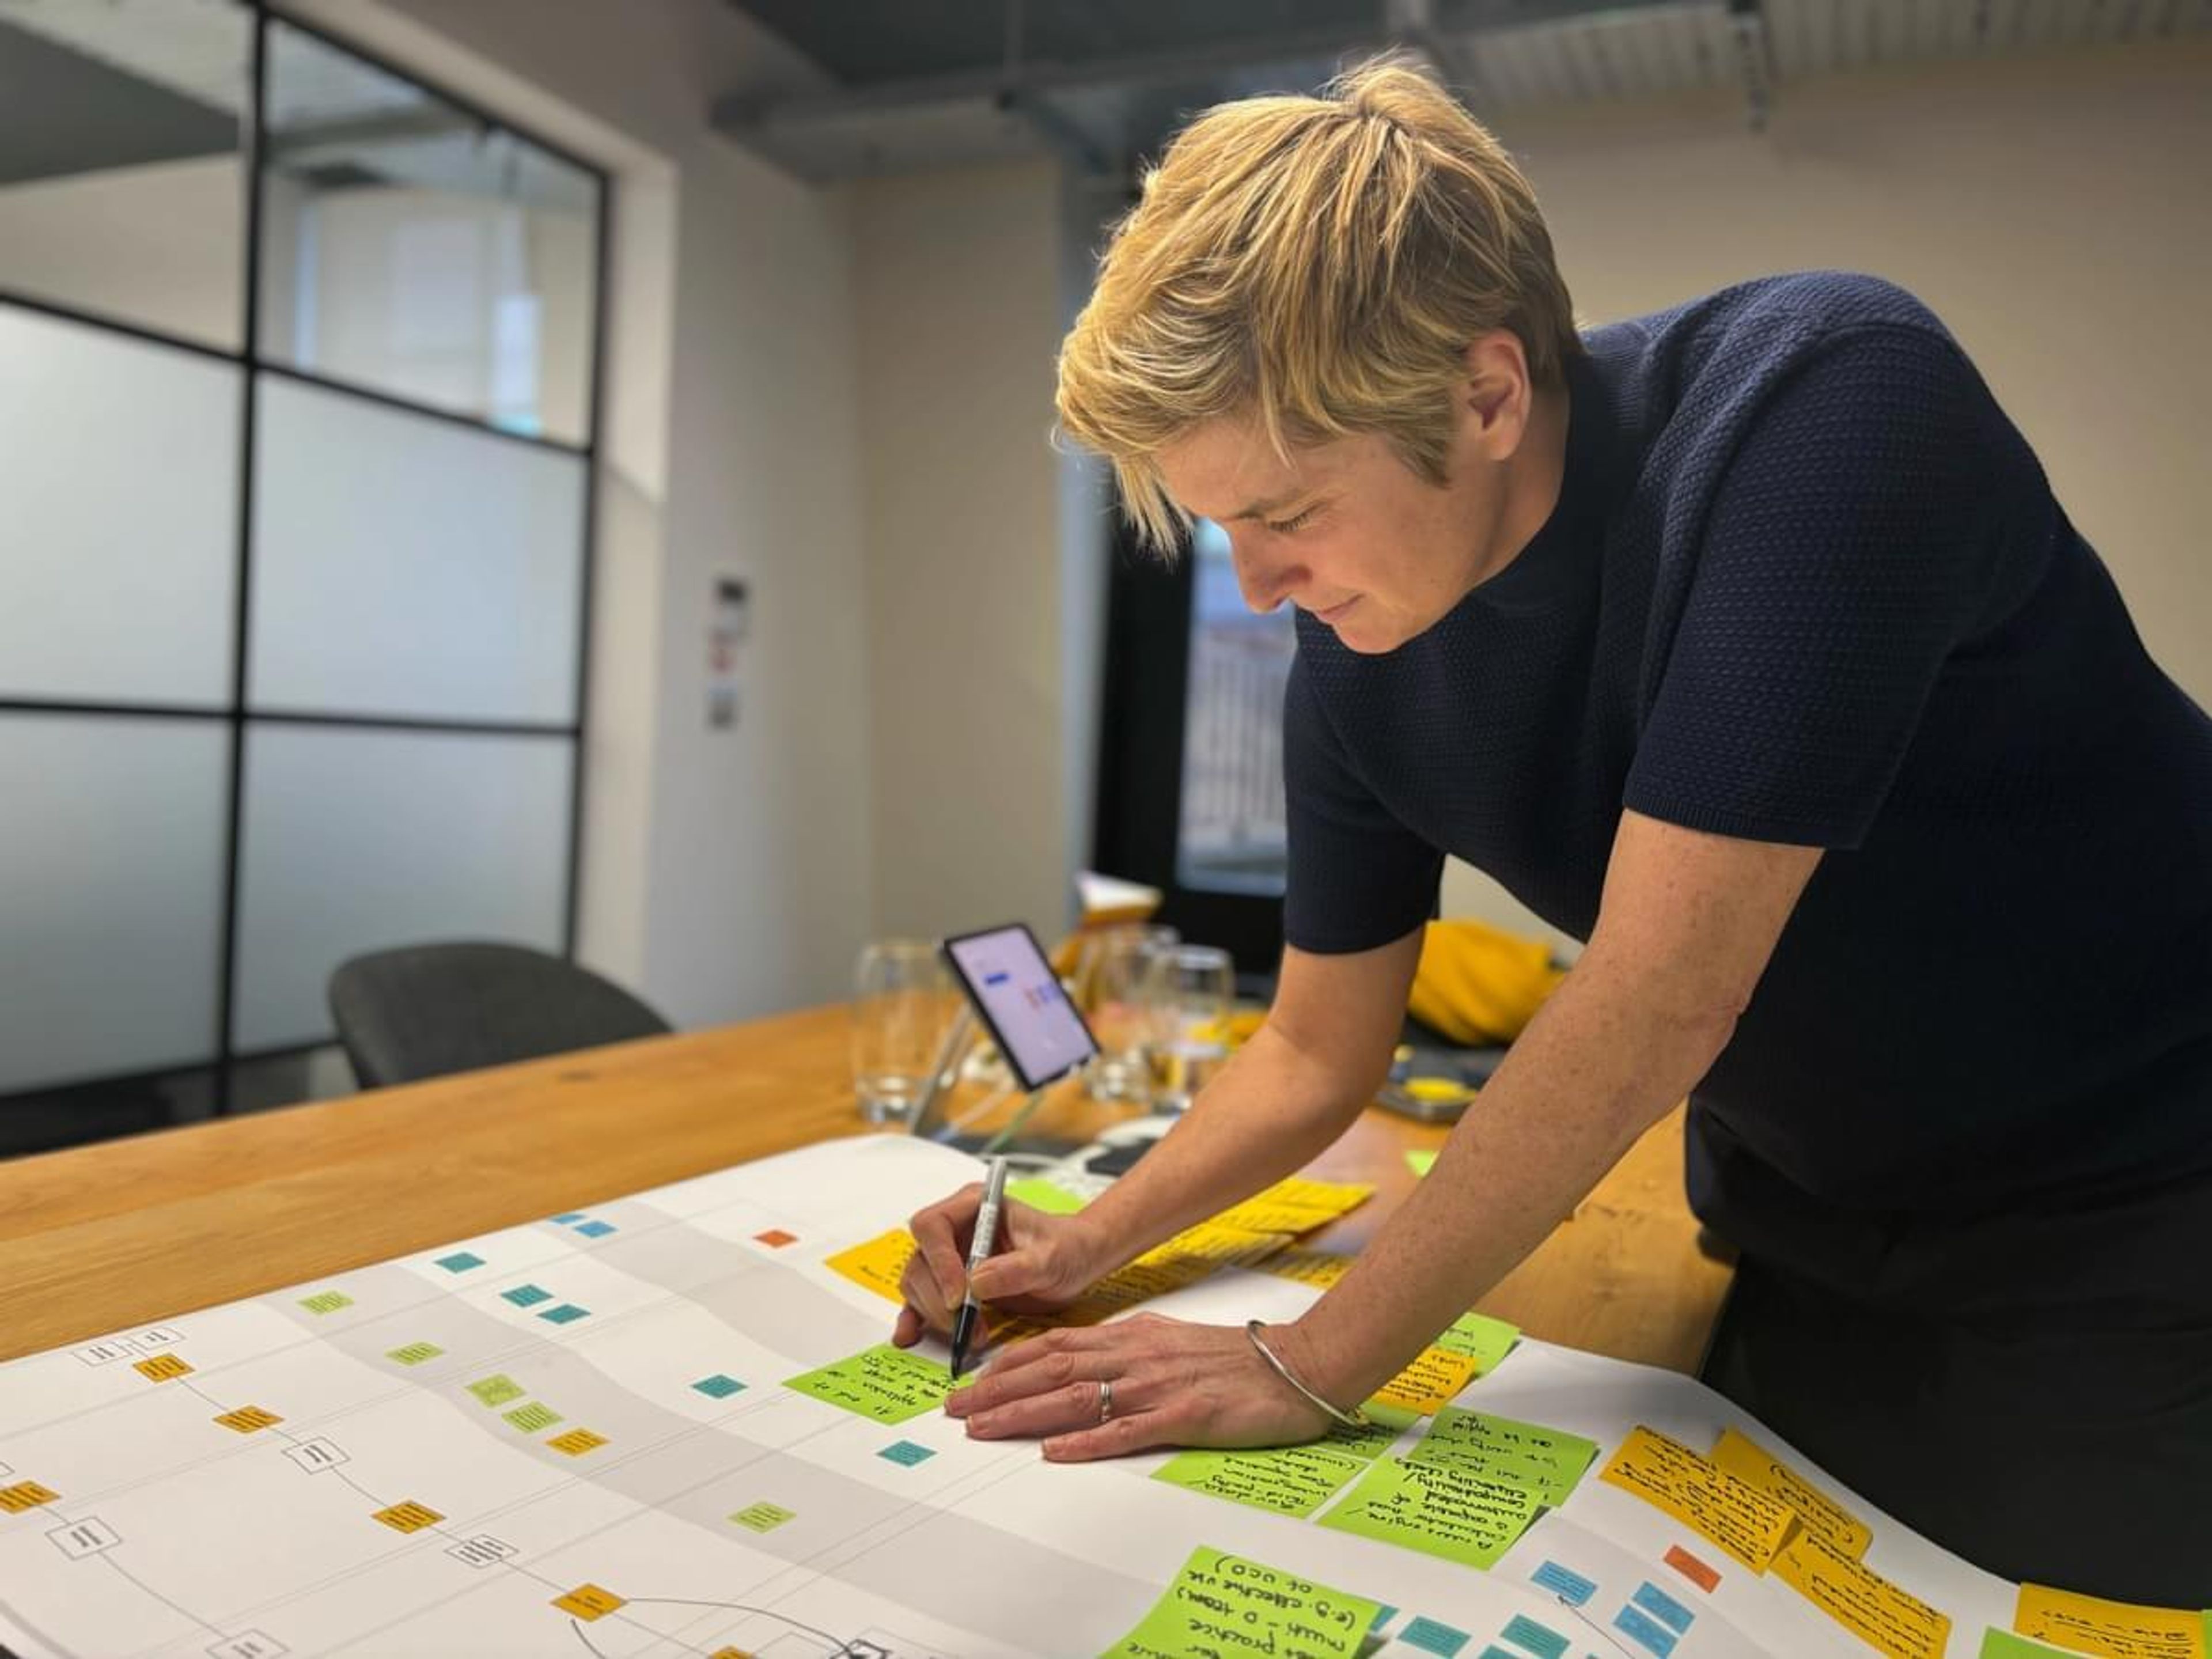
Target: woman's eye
[(1290, 524)]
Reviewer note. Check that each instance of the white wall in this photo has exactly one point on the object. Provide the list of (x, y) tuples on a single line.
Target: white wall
[(958, 320), (161, 244), (2055, 214)]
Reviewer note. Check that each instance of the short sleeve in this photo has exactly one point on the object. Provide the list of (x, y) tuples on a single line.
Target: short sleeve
[(1358, 879), (1848, 548)]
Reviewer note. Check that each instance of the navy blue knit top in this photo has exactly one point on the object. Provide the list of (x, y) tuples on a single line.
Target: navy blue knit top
[(1807, 583)]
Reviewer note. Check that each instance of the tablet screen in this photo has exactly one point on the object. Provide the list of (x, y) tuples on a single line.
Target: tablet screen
[(1020, 998)]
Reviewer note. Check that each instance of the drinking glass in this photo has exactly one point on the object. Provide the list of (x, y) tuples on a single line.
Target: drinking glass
[(903, 1003), (1190, 992), (1116, 978)]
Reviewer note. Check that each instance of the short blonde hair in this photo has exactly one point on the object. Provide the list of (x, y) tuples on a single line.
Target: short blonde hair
[(1317, 265)]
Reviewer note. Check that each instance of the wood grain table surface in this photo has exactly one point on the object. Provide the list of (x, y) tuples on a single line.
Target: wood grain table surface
[(98, 1238)]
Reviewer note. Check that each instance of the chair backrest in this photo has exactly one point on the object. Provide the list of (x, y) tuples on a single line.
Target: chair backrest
[(427, 1010)]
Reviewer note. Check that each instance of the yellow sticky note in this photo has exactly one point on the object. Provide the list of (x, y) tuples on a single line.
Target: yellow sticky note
[(1430, 1382), (577, 1441), (161, 1367), (247, 1419), (2117, 1630), (1187, 1258), (876, 1266), (1295, 1205), (1747, 1460), (588, 1603), (1749, 1524), (409, 1516), (25, 1495), (1861, 1601), (1320, 1268)]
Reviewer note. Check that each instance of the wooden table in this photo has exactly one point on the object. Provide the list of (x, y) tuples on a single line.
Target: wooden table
[(126, 1232)]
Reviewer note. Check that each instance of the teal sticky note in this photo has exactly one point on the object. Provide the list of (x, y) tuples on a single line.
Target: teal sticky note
[(461, 1261)]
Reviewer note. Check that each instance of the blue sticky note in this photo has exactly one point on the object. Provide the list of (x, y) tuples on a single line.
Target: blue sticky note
[(1430, 1636), (459, 1262), (1570, 1587), (573, 1216), (1527, 1633), (563, 1314), (527, 1296), (906, 1452), (596, 1229), (719, 1387), (1642, 1628), (1663, 1607), (1385, 1613)]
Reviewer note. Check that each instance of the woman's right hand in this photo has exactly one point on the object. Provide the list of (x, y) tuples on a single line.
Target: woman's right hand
[(1039, 1263)]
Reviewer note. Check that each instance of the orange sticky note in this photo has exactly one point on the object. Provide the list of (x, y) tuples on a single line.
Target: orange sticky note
[(161, 1367), (2116, 1629), (588, 1603), (410, 1516), (25, 1495), (1877, 1612), (577, 1441), (877, 1264), (247, 1419), (1749, 1524), (1430, 1382), (1747, 1460)]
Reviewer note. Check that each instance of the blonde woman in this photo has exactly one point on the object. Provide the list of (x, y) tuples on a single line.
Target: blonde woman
[(1746, 642)]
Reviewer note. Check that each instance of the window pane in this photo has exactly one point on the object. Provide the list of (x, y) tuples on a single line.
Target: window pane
[(112, 869), (1233, 837), (122, 183), (406, 566), (118, 462), (358, 839), (409, 247)]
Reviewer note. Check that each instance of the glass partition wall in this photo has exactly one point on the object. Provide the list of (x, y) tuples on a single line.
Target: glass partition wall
[(298, 397)]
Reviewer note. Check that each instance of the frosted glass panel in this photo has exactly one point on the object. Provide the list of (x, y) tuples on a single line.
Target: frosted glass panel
[(409, 246), (122, 187), (358, 839), (119, 467), (111, 894), (407, 566)]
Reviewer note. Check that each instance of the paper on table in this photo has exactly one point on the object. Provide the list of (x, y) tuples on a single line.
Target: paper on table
[(1749, 1524), (2003, 1644), (1431, 1381), (1480, 1337), (883, 1383), (1221, 1605), (2117, 1629), (1438, 1508), (876, 1265), (1549, 1462), (1040, 1195), (1861, 1599), (1747, 1460)]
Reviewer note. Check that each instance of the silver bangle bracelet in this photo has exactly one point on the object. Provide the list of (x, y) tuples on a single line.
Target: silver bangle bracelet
[(1351, 1419)]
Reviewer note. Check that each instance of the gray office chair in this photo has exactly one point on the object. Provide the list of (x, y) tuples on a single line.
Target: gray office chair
[(427, 1010)]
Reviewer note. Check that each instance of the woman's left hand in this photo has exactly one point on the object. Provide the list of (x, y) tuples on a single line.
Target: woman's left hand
[(1163, 1382)]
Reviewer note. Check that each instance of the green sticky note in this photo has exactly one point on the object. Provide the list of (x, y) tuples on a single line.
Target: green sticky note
[(1548, 1462), (2003, 1644), (1480, 1337), (1223, 1603), (764, 1517), (1044, 1195), (1440, 1509), (1384, 1424), (324, 1302), (884, 1384), (1287, 1479), (415, 1352), (532, 1417), (1421, 1163), (496, 1390)]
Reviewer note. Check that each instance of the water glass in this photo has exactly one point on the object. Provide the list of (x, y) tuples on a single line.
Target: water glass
[(1116, 977), (1190, 989), (903, 1004)]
